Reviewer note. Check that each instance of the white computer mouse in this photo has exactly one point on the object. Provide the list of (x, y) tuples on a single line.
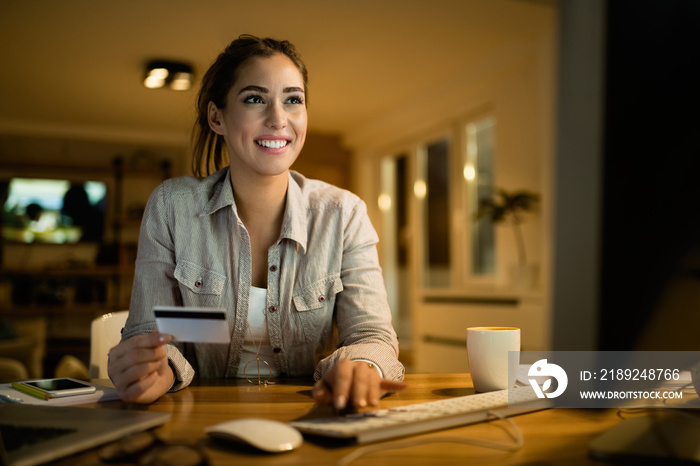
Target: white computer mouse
[(263, 434)]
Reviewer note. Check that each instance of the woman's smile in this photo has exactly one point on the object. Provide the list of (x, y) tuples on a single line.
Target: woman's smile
[(273, 143)]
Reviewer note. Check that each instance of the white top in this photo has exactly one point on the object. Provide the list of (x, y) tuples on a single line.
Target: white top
[(257, 339)]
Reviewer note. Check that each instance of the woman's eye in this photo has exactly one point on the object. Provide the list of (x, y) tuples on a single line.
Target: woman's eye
[(295, 100), (254, 99)]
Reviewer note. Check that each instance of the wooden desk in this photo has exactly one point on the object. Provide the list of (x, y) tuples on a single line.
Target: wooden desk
[(552, 437)]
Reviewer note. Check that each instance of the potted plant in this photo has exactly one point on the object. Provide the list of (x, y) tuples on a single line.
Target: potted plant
[(510, 206)]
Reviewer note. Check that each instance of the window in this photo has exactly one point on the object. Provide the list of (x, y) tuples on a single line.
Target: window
[(429, 198), (431, 190), (479, 179), (395, 203)]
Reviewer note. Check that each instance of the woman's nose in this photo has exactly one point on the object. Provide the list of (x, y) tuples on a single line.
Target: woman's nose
[(276, 117)]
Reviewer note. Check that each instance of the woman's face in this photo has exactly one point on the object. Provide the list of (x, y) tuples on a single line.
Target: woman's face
[(264, 121)]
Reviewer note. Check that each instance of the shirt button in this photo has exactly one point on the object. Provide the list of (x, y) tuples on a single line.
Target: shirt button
[(321, 298), (198, 283), (272, 309), (273, 268)]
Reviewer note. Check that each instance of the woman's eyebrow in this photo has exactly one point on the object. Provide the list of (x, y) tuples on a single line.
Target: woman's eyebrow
[(264, 90), (261, 89)]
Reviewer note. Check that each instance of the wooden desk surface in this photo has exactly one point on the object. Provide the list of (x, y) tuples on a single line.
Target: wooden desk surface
[(552, 437)]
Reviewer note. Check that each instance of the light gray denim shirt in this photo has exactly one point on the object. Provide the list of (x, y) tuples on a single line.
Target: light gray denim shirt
[(325, 293)]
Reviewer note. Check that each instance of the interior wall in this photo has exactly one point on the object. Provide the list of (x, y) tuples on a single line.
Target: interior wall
[(324, 157), (517, 92), (517, 88)]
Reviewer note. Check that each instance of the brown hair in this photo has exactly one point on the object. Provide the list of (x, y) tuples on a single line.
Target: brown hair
[(209, 147)]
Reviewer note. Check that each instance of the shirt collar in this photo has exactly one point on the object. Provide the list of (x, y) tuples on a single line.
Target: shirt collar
[(223, 194), (295, 212)]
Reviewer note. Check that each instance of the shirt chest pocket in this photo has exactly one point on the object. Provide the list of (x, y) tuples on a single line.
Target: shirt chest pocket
[(314, 305), (199, 286)]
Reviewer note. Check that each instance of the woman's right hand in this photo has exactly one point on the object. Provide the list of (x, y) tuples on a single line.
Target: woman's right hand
[(139, 368)]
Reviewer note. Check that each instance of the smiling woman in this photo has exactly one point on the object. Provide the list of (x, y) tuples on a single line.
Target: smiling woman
[(263, 119), (209, 145), (292, 261)]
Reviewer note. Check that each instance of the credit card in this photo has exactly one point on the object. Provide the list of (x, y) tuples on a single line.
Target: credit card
[(193, 324)]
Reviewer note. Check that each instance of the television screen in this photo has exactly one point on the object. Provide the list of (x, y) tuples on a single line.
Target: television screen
[(53, 211)]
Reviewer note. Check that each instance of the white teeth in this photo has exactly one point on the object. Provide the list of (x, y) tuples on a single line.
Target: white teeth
[(272, 144)]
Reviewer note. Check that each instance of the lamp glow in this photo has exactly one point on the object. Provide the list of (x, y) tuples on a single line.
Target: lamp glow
[(384, 202), (175, 75), (153, 82), (181, 82), (420, 189), (159, 73), (469, 172)]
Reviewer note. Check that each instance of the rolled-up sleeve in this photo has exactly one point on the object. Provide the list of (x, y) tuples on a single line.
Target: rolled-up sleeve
[(154, 281), (362, 311)]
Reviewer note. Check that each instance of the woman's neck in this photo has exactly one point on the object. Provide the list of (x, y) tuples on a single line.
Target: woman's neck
[(260, 200)]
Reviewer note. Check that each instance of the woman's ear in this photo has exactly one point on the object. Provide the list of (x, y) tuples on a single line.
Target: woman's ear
[(216, 120)]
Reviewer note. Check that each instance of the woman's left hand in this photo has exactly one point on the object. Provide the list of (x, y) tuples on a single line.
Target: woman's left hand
[(357, 382)]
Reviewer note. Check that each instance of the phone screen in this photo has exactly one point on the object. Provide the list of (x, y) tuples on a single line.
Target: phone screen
[(51, 385)]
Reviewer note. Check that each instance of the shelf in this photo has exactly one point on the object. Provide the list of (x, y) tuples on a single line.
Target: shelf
[(71, 290), (67, 272), (67, 289), (477, 294), (37, 310), (128, 222)]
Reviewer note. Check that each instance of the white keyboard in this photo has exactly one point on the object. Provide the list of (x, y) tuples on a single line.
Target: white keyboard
[(373, 426)]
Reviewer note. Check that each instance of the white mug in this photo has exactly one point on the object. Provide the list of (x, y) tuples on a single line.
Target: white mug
[(487, 351)]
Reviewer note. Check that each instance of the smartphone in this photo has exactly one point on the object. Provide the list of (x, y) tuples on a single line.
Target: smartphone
[(59, 387)]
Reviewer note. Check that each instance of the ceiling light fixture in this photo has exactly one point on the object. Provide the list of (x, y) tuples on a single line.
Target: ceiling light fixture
[(177, 76)]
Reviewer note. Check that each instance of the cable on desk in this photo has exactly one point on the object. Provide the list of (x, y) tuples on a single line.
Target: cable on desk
[(514, 433)]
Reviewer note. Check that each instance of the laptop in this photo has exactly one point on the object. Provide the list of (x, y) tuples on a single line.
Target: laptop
[(31, 435)]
